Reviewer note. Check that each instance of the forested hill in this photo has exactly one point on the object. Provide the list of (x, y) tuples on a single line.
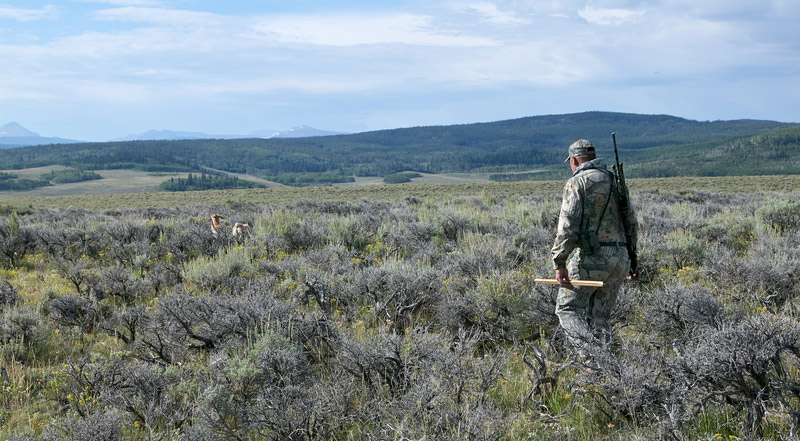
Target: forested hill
[(518, 144), (774, 153)]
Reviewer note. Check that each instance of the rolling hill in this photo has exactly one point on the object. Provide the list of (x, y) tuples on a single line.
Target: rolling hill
[(656, 145)]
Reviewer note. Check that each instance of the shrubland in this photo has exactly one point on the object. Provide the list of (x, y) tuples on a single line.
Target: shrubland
[(414, 318)]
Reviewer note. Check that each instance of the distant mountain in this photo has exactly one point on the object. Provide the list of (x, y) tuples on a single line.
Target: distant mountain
[(171, 135), (295, 132), (14, 135), (15, 130)]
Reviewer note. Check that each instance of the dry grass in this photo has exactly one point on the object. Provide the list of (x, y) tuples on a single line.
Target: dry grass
[(127, 189), (36, 172), (113, 182)]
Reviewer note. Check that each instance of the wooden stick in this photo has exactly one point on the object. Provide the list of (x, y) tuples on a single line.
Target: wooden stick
[(594, 283)]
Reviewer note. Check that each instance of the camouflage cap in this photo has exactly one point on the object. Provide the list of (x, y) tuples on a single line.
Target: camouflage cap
[(579, 148)]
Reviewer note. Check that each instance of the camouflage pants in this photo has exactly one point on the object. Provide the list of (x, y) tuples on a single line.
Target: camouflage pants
[(584, 312)]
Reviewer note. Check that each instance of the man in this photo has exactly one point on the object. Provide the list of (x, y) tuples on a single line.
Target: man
[(591, 225)]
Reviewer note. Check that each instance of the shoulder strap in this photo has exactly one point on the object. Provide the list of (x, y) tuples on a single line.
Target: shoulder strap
[(605, 207)]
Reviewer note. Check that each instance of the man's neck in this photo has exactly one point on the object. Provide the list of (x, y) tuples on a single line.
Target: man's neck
[(594, 163)]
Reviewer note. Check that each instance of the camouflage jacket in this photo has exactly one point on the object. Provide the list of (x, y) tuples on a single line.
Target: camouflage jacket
[(588, 208)]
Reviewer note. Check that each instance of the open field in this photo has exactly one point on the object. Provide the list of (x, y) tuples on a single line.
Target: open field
[(135, 181), (113, 182), (426, 178), (393, 312), (245, 177), (35, 172), (383, 192)]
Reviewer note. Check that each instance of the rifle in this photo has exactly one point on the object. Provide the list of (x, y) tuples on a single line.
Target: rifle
[(625, 208)]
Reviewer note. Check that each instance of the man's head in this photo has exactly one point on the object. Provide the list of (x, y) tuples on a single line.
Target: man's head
[(580, 151)]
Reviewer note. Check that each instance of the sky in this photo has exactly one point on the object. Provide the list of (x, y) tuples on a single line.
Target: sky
[(101, 69)]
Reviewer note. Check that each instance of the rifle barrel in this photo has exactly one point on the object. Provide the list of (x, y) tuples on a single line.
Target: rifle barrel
[(624, 205)]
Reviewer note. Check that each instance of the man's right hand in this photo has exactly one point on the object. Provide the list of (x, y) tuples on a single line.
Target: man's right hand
[(562, 276)]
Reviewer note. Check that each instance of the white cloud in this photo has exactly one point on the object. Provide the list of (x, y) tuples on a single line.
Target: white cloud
[(20, 14), (80, 90), (490, 12), (360, 29), (159, 16), (609, 16), (321, 30), (183, 51), (567, 49), (728, 9), (123, 2)]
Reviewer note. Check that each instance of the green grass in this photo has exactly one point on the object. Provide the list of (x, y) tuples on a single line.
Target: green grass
[(122, 186)]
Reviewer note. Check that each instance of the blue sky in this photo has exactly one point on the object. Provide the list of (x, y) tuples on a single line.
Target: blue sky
[(101, 69)]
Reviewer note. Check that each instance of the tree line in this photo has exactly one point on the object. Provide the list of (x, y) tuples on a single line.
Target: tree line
[(206, 182)]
